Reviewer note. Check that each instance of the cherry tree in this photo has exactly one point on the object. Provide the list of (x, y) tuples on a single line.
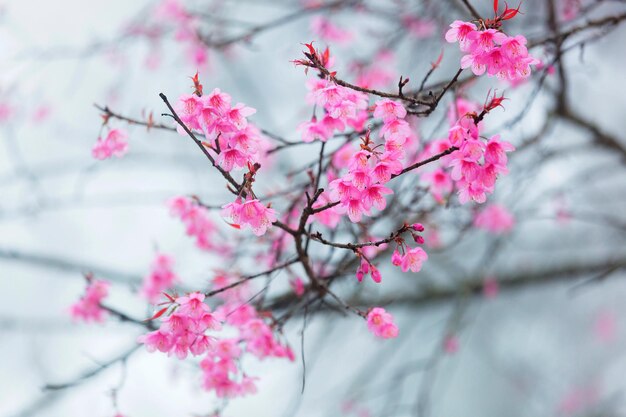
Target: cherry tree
[(423, 170)]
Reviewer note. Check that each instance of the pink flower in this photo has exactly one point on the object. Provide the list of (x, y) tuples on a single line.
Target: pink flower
[(328, 31), (41, 113), (388, 110), (374, 196), (396, 258), (157, 340), (491, 288), (114, 144), (495, 151), (605, 326), (191, 328), (160, 278), (376, 276), (238, 114), (579, 399), (492, 51), (88, 308), (196, 220), (459, 31), (570, 9), (297, 285), (485, 40), (495, 219), (419, 28), (183, 331), (314, 130), (381, 324), (240, 142), (218, 101), (6, 112), (440, 183), (189, 108), (413, 259), (451, 344), (251, 213)]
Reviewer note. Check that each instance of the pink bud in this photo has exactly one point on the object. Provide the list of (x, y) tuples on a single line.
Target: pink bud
[(418, 239), (376, 275)]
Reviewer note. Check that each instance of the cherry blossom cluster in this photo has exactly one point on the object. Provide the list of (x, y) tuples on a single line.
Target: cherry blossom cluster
[(88, 307), (115, 143), (184, 331), (494, 218), (408, 258), (227, 132), (381, 324), (362, 187), (220, 370), (222, 336), (476, 164), (186, 28), (161, 278), (196, 219), (328, 31), (342, 106), (250, 213), (366, 266), (492, 51)]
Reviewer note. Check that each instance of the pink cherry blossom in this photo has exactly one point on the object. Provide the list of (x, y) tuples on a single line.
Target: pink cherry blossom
[(419, 28), (328, 31), (297, 285), (161, 278), (495, 218), (387, 110), (492, 51), (114, 144), (578, 399), (451, 344), (440, 183), (491, 288), (413, 259), (88, 308), (183, 331), (196, 219), (251, 213), (225, 127), (381, 324), (313, 130), (459, 31), (605, 326)]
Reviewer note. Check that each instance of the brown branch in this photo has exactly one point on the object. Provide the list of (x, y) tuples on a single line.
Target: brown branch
[(426, 161), (250, 277), (93, 372), (601, 138), (204, 150), (591, 24), (433, 105), (314, 62), (472, 10), (288, 18), (110, 113), (506, 282), (45, 261), (317, 236)]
